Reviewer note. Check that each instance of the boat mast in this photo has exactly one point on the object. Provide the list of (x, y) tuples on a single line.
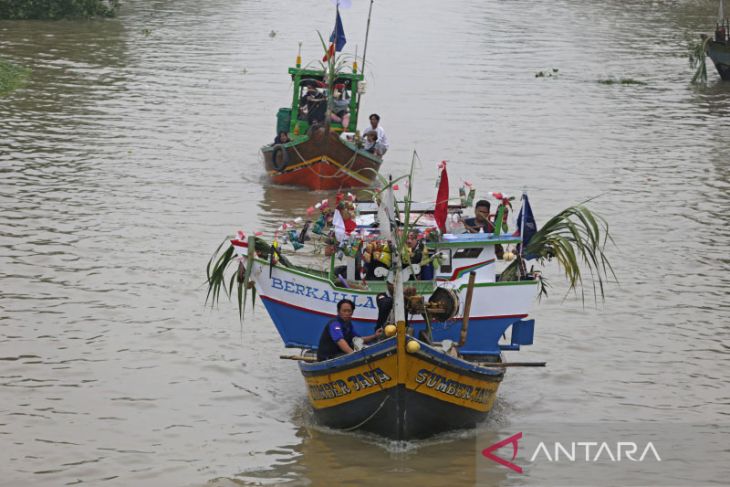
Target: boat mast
[(365, 49), (398, 304), (367, 32)]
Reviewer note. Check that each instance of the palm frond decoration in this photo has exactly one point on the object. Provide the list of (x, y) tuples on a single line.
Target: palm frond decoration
[(222, 261), (574, 237), (697, 60)]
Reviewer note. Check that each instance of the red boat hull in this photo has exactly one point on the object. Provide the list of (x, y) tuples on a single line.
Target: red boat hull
[(320, 161)]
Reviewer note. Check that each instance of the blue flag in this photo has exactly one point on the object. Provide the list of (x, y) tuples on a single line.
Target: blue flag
[(337, 39), (530, 226), (338, 35)]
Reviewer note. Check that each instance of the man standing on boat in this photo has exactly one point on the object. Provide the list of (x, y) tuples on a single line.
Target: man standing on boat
[(375, 126), (337, 337)]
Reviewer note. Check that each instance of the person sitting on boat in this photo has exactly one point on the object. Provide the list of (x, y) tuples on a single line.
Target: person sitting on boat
[(282, 138), (341, 107), (373, 145), (379, 130), (482, 224), (415, 251), (314, 104), (337, 336)]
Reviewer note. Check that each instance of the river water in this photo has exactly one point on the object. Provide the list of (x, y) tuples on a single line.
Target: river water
[(132, 152)]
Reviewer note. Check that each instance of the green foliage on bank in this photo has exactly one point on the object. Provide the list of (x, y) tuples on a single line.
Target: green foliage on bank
[(11, 77), (56, 9)]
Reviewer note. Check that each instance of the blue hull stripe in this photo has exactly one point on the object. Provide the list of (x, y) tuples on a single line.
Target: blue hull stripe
[(302, 328)]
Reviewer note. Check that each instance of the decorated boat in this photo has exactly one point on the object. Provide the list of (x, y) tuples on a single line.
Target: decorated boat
[(717, 48), (318, 146), (467, 297)]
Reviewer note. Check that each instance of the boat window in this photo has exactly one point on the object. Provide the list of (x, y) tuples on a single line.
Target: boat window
[(468, 253)]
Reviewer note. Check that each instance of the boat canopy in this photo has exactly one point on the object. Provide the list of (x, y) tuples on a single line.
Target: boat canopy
[(297, 123)]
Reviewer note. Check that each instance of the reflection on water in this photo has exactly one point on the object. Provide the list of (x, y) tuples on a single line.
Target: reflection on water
[(132, 152)]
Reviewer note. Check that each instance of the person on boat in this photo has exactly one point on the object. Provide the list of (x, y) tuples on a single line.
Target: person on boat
[(337, 336), (384, 301), (341, 107), (371, 138), (282, 138), (380, 131), (482, 224), (314, 105)]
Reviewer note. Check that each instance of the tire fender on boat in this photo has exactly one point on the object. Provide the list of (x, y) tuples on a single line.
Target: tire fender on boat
[(279, 163)]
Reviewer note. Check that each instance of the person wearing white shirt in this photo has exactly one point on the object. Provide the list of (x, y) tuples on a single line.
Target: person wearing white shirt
[(382, 141)]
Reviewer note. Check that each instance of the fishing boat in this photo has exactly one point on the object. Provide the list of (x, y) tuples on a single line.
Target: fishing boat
[(716, 48), (439, 370), (323, 149)]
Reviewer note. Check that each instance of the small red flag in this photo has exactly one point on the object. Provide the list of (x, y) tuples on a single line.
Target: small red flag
[(330, 52), (441, 209)]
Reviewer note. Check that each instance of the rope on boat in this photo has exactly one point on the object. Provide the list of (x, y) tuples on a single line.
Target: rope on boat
[(340, 170), (369, 417)]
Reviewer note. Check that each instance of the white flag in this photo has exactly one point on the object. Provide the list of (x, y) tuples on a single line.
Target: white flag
[(339, 225), (385, 213)]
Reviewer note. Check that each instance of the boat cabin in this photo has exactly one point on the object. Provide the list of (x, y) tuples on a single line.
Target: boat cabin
[(295, 120)]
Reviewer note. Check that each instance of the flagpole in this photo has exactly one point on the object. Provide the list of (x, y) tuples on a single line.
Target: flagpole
[(522, 225), (331, 52), (367, 33)]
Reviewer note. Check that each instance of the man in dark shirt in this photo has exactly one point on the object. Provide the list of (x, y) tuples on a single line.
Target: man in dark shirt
[(481, 219), (481, 222), (337, 336), (316, 104)]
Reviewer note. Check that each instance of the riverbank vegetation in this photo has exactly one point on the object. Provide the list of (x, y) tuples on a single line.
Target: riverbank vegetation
[(11, 77), (57, 9)]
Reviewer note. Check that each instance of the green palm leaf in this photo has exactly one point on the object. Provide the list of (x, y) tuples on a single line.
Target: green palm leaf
[(697, 58), (576, 238)]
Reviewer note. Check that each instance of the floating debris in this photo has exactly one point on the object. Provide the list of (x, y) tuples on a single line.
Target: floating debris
[(12, 77), (548, 73), (622, 81), (697, 54)]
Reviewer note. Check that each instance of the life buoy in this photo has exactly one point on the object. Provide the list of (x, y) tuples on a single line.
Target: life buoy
[(279, 157)]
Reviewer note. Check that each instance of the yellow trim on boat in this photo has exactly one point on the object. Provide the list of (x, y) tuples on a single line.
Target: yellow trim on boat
[(447, 386), (348, 385)]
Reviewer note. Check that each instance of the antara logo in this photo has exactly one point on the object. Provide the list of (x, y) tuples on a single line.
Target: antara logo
[(576, 451), (487, 452)]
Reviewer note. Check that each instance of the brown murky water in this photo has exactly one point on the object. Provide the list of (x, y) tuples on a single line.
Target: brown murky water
[(132, 152)]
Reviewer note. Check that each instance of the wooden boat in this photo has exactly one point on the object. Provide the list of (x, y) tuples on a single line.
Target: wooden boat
[(719, 52), (442, 370), (322, 154), (401, 388), (301, 300), (404, 387), (718, 48)]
